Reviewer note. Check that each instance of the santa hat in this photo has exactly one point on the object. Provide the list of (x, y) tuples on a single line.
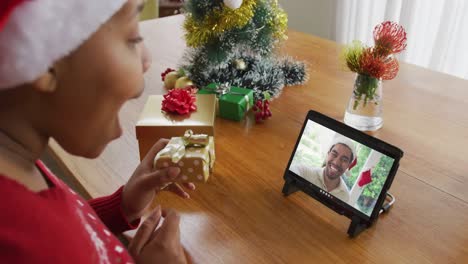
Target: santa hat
[(350, 144), (36, 33)]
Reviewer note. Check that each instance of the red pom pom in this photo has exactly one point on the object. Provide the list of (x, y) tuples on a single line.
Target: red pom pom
[(179, 101), (258, 117), (163, 74), (262, 110)]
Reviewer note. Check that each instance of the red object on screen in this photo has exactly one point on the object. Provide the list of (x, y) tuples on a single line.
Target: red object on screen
[(352, 164), (365, 179)]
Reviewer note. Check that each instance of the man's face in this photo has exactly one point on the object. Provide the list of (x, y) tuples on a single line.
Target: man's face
[(338, 160)]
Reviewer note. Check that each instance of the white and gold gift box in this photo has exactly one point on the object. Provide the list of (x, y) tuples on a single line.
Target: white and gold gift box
[(193, 154)]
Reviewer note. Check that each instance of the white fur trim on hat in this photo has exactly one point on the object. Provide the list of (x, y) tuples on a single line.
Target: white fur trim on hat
[(40, 32)]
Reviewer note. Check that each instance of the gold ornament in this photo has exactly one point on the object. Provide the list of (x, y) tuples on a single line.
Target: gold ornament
[(233, 4), (170, 80), (183, 82), (240, 64)]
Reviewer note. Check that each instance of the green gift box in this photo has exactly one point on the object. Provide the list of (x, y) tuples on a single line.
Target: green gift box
[(233, 102)]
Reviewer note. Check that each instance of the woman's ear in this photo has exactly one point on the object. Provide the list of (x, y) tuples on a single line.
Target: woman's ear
[(47, 82)]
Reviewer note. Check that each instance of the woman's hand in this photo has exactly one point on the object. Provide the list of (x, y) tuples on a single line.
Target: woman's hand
[(145, 182), (161, 245)]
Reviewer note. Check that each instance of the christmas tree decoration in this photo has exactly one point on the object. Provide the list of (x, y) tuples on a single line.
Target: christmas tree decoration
[(214, 20), (236, 46), (176, 79), (233, 4), (164, 73), (240, 64), (262, 110), (193, 153), (170, 79), (183, 82), (179, 101)]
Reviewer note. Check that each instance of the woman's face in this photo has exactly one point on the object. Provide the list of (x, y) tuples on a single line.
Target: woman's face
[(94, 82)]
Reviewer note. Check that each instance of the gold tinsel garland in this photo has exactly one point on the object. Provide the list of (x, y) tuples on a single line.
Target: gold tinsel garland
[(199, 33), (279, 21)]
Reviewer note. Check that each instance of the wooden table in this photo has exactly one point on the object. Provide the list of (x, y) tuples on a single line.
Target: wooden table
[(240, 216)]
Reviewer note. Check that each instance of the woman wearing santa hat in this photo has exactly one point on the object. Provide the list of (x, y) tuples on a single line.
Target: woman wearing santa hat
[(66, 69)]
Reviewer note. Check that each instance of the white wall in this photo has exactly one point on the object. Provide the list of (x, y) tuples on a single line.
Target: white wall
[(315, 17)]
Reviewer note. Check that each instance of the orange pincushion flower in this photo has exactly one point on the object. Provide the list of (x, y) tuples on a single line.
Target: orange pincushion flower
[(371, 64), (377, 62), (374, 65), (391, 68), (390, 38)]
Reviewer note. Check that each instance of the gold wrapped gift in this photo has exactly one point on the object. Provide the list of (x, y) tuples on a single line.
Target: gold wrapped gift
[(193, 154), (154, 123)]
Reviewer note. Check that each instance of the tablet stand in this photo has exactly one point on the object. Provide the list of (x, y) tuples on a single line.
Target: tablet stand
[(355, 228), (289, 187)]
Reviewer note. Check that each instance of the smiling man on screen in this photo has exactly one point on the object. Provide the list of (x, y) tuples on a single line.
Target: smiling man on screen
[(340, 157)]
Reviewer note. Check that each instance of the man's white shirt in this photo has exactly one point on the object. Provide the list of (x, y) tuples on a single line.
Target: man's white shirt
[(316, 176)]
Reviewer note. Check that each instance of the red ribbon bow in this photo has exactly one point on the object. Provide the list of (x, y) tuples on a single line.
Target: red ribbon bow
[(179, 101)]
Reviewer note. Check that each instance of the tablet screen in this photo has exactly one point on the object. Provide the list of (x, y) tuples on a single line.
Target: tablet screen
[(348, 170)]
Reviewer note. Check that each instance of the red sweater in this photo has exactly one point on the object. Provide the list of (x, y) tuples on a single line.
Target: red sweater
[(58, 226)]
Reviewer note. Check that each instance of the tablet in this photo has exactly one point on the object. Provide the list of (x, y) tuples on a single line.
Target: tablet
[(343, 168)]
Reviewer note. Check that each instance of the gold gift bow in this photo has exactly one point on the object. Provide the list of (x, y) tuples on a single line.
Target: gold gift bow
[(195, 140), (225, 88), (177, 151)]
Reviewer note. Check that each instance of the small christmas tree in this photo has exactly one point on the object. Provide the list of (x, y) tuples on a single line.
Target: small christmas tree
[(233, 41)]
